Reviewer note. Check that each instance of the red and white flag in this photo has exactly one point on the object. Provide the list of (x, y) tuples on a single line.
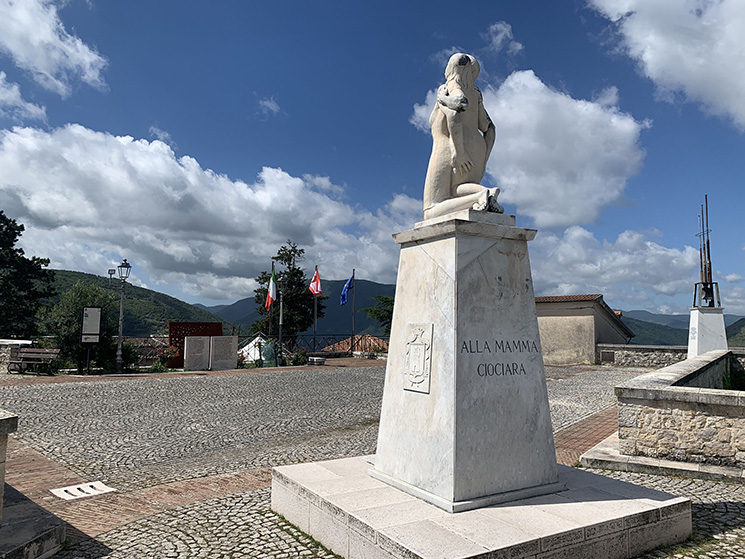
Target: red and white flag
[(315, 284), (271, 292)]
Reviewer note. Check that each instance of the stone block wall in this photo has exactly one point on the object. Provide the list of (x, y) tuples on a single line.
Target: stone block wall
[(684, 431), (671, 414), (640, 355)]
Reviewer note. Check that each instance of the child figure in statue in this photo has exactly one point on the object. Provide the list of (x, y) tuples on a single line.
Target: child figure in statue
[(462, 139)]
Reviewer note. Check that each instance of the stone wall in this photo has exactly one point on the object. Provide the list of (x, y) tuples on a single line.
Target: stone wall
[(640, 355), (667, 414), (4, 358)]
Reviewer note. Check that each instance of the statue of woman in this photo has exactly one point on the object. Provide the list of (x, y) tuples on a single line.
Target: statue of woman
[(462, 139)]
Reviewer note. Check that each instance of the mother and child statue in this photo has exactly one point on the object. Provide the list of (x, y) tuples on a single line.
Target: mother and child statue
[(462, 139)]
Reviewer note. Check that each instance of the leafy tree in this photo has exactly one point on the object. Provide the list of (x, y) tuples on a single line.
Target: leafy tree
[(382, 311), (297, 314), (24, 283), (64, 319)]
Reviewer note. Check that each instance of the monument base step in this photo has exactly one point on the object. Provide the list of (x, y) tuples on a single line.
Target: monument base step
[(460, 506), (605, 455), (27, 530), (360, 517)]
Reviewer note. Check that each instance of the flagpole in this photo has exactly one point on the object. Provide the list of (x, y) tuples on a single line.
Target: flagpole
[(279, 362), (315, 314), (271, 307), (353, 290)]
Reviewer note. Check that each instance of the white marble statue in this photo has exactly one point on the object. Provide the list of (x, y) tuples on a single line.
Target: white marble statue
[(462, 139)]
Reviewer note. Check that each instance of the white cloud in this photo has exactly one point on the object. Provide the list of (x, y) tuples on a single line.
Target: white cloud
[(268, 107), (13, 105), (441, 57), (33, 36), (420, 117), (89, 198), (499, 38), (631, 272), (693, 47), (560, 159), (733, 278), (162, 135)]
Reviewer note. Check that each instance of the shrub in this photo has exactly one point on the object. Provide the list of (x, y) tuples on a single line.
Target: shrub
[(300, 357)]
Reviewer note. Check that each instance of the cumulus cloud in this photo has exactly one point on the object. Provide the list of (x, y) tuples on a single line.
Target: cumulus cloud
[(33, 36), (12, 104), (88, 198), (691, 47), (632, 271), (499, 38), (560, 159), (420, 117)]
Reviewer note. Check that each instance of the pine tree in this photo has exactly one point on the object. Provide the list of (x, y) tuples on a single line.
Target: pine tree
[(24, 283), (297, 298)]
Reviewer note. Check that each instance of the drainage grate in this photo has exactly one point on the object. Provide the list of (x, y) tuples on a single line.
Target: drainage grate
[(83, 490)]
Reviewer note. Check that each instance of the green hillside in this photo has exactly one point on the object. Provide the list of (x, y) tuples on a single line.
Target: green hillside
[(649, 333), (146, 312), (736, 334)]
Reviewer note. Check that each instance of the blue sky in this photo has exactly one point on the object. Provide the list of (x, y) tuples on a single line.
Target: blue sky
[(195, 138)]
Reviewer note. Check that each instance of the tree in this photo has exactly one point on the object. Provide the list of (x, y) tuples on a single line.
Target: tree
[(297, 298), (24, 283), (64, 321), (382, 312)]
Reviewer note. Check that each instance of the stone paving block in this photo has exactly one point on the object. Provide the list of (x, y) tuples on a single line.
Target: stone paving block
[(666, 532), (491, 533), (295, 510), (432, 541), (361, 547), (399, 513), (329, 528), (614, 546)]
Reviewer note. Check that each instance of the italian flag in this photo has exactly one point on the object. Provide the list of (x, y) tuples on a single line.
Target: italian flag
[(271, 292)]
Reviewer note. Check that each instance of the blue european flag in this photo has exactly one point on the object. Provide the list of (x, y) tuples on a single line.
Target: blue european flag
[(347, 287)]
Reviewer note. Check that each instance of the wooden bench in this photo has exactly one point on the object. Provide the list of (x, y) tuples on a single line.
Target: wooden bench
[(32, 359)]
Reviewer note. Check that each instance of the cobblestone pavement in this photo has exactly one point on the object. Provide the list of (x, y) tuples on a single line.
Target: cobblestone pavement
[(153, 436)]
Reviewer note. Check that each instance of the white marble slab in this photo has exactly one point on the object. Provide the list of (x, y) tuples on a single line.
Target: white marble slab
[(196, 353)]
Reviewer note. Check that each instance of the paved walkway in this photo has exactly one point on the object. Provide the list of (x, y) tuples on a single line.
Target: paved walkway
[(190, 454)]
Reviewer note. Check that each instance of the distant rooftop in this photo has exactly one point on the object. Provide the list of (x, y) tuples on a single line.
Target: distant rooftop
[(568, 298)]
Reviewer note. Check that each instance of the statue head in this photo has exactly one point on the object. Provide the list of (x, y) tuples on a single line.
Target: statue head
[(463, 67)]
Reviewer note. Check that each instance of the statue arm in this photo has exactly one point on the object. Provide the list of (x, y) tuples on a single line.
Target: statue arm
[(458, 103), (487, 127)]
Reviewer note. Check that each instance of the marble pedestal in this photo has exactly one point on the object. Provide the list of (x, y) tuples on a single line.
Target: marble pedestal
[(465, 418), (706, 330), (359, 517)]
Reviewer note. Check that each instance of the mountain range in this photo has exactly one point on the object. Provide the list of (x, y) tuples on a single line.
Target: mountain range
[(337, 319), (147, 312)]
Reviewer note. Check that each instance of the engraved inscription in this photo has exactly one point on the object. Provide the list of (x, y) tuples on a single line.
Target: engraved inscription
[(506, 360), (418, 357)]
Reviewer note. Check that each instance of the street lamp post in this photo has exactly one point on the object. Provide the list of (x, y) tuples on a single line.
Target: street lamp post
[(123, 269)]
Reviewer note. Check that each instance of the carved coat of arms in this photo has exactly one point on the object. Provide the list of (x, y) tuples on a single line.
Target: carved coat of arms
[(418, 357)]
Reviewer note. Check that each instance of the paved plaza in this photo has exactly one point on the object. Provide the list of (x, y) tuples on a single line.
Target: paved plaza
[(190, 454)]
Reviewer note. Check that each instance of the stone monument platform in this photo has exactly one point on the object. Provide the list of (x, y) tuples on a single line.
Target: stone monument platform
[(358, 516)]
